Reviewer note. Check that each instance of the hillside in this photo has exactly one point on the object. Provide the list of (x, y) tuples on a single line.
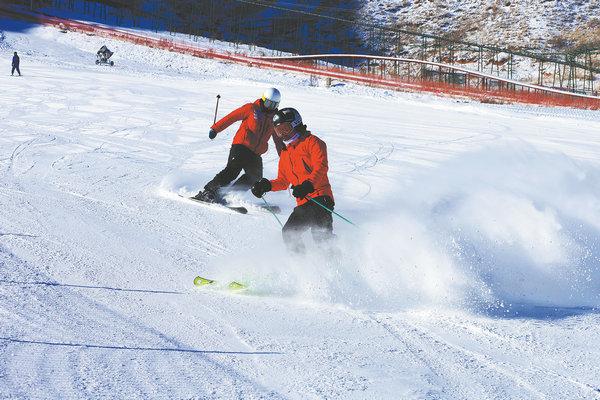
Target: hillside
[(550, 25)]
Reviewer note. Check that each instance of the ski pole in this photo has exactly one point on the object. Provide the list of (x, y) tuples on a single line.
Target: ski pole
[(271, 211), (216, 108), (331, 211)]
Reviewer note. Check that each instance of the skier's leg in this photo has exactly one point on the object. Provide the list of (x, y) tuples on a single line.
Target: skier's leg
[(322, 220), (19, 71), (223, 178), (13, 71), (253, 171), (297, 223)]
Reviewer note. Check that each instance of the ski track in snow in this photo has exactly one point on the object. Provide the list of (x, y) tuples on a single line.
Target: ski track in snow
[(461, 363), (97, 252)]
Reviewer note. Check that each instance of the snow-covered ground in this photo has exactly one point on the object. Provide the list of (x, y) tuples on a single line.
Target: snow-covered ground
[(474, 272)]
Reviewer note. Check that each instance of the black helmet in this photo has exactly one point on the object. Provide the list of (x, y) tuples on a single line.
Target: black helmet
[(287, 115), (291, 116)]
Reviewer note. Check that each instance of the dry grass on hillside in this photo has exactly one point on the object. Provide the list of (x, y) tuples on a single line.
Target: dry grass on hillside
[(584, 37)]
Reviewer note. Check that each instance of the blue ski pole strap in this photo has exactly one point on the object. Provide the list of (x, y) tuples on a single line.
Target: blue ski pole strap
[(331, 211), (271, 211)]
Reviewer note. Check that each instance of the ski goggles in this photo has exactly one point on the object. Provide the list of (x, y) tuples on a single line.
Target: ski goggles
[(285, 130), (270, 104)]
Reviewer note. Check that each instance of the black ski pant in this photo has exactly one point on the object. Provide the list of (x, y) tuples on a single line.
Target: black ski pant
[(15, 67), (309, 216), (240, 158)]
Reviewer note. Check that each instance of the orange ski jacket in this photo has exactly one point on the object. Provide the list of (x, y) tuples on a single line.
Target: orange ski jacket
[(256, 128), (304, 159)]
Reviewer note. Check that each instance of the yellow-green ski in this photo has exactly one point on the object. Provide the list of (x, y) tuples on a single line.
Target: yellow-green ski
[(233, 285), (200, 281)]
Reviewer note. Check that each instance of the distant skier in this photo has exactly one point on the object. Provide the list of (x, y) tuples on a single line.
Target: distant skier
[(303, 165), (15, 64), (249, 144)]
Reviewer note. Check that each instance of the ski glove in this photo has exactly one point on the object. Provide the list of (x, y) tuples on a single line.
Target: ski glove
[(302, 190), (261, 187), (212, 134)]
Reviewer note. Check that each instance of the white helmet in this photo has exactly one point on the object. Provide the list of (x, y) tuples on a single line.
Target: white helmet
[(271, 98)]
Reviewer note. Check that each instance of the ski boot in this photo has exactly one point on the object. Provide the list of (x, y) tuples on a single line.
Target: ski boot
[(206, 196)]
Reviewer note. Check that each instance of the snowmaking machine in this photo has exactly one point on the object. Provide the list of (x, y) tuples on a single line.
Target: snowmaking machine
[(103, 55)]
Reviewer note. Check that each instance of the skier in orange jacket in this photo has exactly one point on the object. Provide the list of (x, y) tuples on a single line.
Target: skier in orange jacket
[(249, 144), (303, 165)]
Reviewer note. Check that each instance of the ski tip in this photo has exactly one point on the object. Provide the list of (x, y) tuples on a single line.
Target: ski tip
[(200, 281), (233, 285)]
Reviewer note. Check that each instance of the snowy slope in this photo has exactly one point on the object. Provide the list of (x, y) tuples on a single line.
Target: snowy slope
[(474, 273)]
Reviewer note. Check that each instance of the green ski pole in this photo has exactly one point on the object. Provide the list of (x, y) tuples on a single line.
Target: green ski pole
[(271, 211), (331, 211)]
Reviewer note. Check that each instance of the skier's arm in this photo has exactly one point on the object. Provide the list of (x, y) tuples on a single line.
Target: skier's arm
[(320, 165), (279, 145), (234, 116), (281, 182)]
